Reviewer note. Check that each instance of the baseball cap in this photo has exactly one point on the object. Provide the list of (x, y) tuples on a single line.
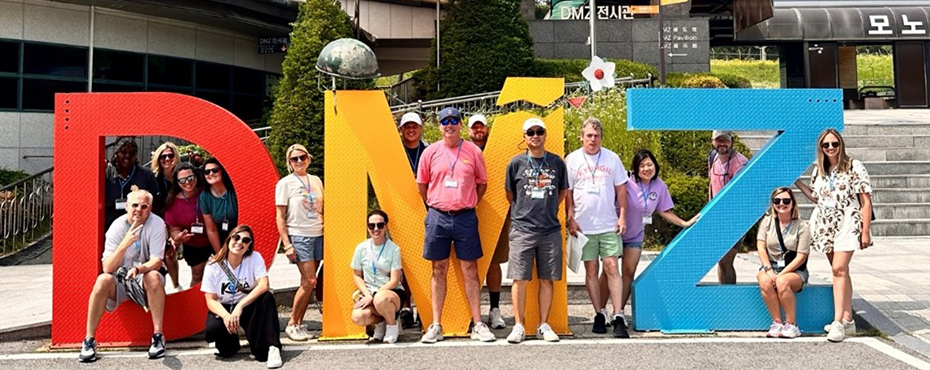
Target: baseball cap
[(449, 112), (410, 117), (528, 124), (477, 118), (722, 133)]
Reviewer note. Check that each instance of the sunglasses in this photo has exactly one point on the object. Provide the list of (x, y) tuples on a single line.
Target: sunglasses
[(376, 225), (302, 158), (835, 144), (243, 239), (539, 132), (211, 171), (188, 179), (450, 121), (141, 206), (785, 201), (166, 157)]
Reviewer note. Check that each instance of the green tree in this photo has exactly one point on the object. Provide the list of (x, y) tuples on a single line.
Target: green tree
[(297, 116), (482, 42)]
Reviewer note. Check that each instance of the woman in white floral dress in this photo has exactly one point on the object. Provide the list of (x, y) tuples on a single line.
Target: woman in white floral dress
[(840, 223)]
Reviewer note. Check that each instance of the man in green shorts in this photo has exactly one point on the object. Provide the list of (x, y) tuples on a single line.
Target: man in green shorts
[(596, 190)]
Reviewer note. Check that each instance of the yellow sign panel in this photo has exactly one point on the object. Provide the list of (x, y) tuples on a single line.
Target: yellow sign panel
[(362, 143), (644, 9), (673, 2)]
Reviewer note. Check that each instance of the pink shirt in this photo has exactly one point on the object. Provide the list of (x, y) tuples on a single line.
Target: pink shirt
[(723, 171), (442, 167)]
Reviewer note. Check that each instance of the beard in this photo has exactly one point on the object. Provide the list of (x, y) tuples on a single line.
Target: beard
[(723, 150)]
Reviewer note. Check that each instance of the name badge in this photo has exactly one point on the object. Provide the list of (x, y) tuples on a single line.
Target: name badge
[(197, 228), (225, 225), (780, 264), (537, 193), (829, 203), (594, 189), (647, 220), (121, 204), (311, 215), (451, 183)]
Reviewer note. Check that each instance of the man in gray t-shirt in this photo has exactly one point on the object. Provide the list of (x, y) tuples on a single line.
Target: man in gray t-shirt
[(536, 183), (135, 241)]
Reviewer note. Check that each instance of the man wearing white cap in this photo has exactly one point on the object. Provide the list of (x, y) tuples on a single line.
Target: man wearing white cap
[(478, 132), (536, 182), (410, 127), (722, 164)]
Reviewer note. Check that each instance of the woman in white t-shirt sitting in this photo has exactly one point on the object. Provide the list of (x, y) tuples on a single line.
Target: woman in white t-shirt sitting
[(378, 271), (235, 285)]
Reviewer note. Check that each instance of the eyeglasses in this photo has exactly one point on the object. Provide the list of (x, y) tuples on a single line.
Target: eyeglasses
[(141, 206), (376, 225), (188, 179), (302, 158), (835, 144), (210, 171), (243, 239), (785, 201), (450, 121), (166, 157), (540, 132)]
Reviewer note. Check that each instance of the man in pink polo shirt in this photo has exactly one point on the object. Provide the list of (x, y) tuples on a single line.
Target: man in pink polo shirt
[(722, 165), (452, 178)]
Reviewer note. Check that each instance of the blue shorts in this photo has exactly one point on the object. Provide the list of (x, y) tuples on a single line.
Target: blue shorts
[(634, 245), (443, 230), (308, 248)]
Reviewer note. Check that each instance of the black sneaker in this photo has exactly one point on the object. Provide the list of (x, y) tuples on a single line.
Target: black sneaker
[(157, 350), (406, 318), (88, 350), (620, 328), (600, 324)]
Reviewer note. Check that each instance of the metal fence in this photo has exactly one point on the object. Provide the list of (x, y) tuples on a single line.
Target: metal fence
[(25, 211)]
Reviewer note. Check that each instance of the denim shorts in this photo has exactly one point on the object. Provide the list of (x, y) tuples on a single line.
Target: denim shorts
[(308, 248), (634, 245), (443, 230)]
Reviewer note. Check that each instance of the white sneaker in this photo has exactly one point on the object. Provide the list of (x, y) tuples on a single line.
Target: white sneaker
[(607, 315), (774, 330), (481, 332), (391, 333), (296, 333), (517, 335), (274, 358), (379, 331), (545, 332), (433, 334), (790, 331), (837, 332), (494, 316), (848, 326)]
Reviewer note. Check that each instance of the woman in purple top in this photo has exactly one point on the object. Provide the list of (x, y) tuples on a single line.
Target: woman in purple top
[(646, 194), (185, 219)]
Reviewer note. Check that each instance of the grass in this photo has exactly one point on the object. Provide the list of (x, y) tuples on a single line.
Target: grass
[(872, 69)]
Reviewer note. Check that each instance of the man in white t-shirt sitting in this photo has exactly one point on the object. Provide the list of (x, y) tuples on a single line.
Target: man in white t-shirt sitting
[(135, 241)]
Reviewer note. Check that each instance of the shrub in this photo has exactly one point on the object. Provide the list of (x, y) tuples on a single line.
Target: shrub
[(703, 81), (733, 81), (676, 79), (8, 176), (571, 69)]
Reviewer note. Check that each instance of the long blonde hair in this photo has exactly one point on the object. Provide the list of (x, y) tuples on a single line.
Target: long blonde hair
[(843, 163), (156, 164), (795, 214)]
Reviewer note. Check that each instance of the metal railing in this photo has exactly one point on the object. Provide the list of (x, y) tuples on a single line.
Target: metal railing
[(25, 211)]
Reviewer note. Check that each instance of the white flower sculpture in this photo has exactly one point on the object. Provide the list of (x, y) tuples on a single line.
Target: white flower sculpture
[(599, 74)]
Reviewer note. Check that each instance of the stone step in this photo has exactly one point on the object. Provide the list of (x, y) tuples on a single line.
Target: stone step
[(893, 181), (889, 154), (882, 211), (887, 129), (901, 227), (886, 196), (892, 168), (755, 142)]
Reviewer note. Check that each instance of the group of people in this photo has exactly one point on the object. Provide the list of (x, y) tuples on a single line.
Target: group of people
[(151, 213)]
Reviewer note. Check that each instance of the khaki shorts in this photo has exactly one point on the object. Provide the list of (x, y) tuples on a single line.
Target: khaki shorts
[(502, 251), (544, 249), (601, 246)]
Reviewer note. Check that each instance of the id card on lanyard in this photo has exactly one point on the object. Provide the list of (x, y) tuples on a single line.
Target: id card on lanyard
[(450, 181), (196, 226), (647, 218), (593, 187), (536, 192), (375, 266), (121, 202), (309, 198), (829, 201)]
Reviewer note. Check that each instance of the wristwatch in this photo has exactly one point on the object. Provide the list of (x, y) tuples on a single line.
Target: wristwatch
[(767, 268)]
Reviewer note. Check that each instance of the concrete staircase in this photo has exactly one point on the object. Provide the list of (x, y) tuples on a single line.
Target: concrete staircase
[(894, 145)]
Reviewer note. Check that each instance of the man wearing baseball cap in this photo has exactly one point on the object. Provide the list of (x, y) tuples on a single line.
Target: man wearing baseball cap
[(478, 130), (536, 183), (410, 127), (452, 178), (722, 164)]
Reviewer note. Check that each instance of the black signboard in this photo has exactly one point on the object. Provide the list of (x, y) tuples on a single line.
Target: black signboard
[(272, 45)]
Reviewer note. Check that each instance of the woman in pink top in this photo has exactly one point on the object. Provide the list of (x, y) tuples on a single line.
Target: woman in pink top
[(185, 219)]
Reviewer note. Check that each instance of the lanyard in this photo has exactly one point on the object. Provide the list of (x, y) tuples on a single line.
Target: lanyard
[(785, 230), (225, 199), (453, 163), (832, 179), (415, 160), (371, 254), (306, 186), (536, 171), (122, 184), (645, 195), (726, 171), (233, 285), (196, 207), (594, 170)]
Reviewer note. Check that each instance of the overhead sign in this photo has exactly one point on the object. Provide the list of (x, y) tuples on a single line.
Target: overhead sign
[(273, 45), (605, 9)]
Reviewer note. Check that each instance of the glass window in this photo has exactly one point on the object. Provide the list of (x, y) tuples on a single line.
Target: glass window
[(9, 57), (40, 94), (213, 76), (105, 87), (249, 81), (54, 60), (248, 108), (170, 71), (215, 98), (118, 66), (8, 88)]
